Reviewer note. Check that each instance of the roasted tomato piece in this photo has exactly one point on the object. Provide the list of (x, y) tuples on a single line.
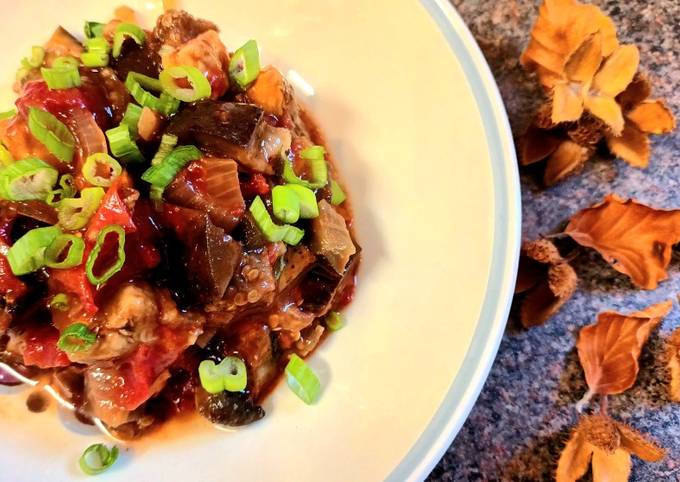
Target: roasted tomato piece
[(41, 348)]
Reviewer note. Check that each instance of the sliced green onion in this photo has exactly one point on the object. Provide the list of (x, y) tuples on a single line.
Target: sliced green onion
[(8, 114), (302, 380), (27, 254), (335, 321), (93, 29), (244, 66), (94, 254), (97, 458), (60, 302), (338, 196), (123, 31), (37, 57), (273, 232), (97, 44), (76, 337), (74, 213), (100, 160), (285, 204), (315, 157), (122, 146), (52, 133), (27, 179), (131, 117), (137, 85), (162, 174), (6, 157), (230, 375), (200, 87), (95, 59), (309, 208), (68, 185), (168, 143), (54, 257), (65, 62), (54, 197), (64, 77)]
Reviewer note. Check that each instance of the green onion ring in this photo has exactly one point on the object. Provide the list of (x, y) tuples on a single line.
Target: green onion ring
[(94, 254), (200, 87), (122, 145), (123, 31), (27, 254), (75, 338), (90, 169), (302, 380), (52, 133), (74, 213), (244, 65), (230, 375), (74, 255)]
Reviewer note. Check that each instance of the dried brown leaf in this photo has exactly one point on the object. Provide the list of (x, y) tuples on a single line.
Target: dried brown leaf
[(673, 363), (637, 444), (609, 349), (538, 144), (613, 467), (652, 117), (637, 91), (632, 146), (574, 459), (635, 239), (567, 159)]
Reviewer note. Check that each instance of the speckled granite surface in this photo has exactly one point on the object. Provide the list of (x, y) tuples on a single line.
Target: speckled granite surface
[(522, 417)]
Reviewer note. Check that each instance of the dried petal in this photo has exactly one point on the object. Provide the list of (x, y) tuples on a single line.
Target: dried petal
[(611, 467), (673, 351), (610, 348), (537, 144), (653, 117), (617, 72), (567, 159), (574, 459), (606, 109), (635, 239), (583, 63), (632, 146), (567, 103), (637, 91), (637, 444)]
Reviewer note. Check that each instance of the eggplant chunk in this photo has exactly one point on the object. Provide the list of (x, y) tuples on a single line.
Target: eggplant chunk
[(331, 238), (176, 27), (225, 129), (227, 408)]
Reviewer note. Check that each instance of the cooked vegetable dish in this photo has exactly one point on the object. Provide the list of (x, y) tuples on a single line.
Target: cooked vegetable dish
[(174, 236)]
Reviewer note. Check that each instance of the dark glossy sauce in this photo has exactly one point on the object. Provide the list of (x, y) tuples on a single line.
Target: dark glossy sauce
[(37, 402)]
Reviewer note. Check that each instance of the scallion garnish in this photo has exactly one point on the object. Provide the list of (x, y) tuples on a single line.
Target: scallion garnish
[(99, 163), (27, 179), (65, 62), (200, 87), (94, 254), (60, 302), (93, 29), (244, 65), (168, 143), (293, 201), (230, 375), (97, 44), (27, 254), (302, 380), (127, 30), (54, 254), (137, 85), (94, 59), (8, 114), (131, 118), (68, 185), (52, 133), (61, 77), (29, 63), (76, 337), (319, 170), (74, 213), (122, 146), (97, 458), (335, 320), (162, 174), (272, 231), (6, 157), (338, 196)]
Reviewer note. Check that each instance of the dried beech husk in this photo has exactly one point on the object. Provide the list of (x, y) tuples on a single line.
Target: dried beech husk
[(537, 144), (609, 349), (543, 116), (632, 146), (568, 158), (652, 117), (588, 131), (546, 279), (606, 445), (634, 239)]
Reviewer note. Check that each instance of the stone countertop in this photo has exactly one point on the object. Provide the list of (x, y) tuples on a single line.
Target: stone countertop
[(523, 415)]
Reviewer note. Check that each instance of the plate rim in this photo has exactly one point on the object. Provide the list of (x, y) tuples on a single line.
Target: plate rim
[(466, 386)]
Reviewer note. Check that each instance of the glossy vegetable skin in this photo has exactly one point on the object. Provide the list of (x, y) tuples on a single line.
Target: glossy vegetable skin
[(173, 231)]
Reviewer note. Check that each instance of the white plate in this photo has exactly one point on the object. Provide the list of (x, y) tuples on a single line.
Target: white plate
[(416, 123)]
